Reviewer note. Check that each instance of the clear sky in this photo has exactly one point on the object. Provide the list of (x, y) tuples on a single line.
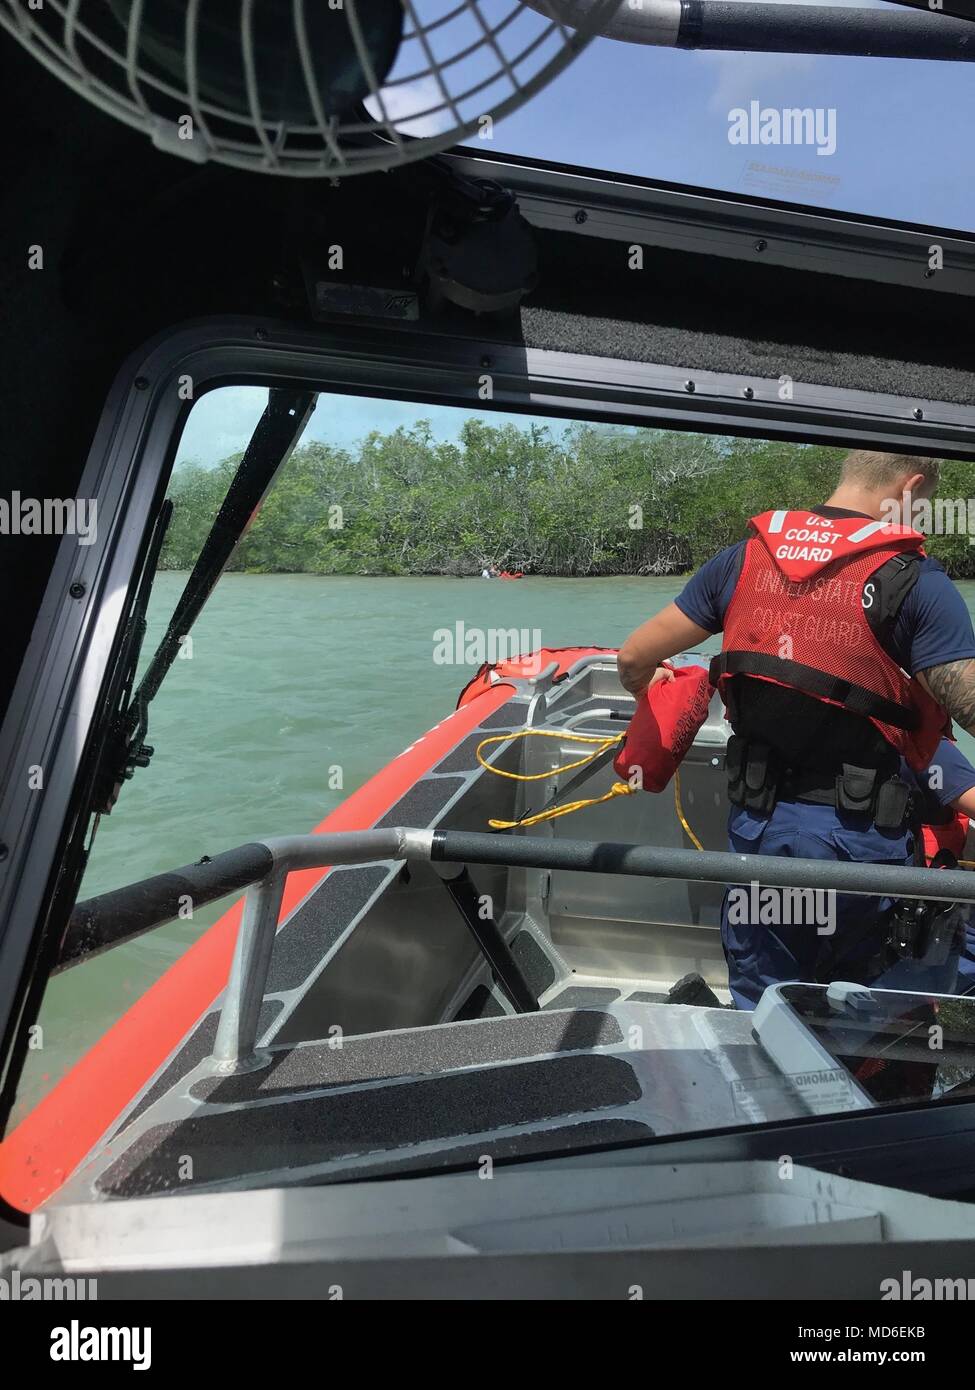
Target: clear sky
[(222, 422), (905, 129)]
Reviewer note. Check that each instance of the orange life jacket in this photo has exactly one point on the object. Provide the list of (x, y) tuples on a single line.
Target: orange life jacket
[(797, 618)]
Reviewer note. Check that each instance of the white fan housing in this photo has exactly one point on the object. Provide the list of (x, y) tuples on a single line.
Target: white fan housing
[(307, 88)]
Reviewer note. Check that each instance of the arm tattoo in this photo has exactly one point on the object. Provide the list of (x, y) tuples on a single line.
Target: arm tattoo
[(953, 685)]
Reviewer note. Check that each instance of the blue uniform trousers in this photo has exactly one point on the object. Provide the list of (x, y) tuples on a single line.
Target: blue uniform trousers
[(762, 947)]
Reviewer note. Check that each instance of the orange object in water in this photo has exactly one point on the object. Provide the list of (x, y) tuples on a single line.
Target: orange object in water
[(667, 719)]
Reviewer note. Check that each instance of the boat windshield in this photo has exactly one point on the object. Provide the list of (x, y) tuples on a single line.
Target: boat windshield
[(403, 551), (723, 120)]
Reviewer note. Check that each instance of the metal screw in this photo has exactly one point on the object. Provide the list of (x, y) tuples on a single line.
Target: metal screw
[(761, 244), (582, 216), (77, 589), (689, 386), (918, 413), (4, 851), (141, 383), (261, 335), (928, 273), (748, 393), (485, 361)]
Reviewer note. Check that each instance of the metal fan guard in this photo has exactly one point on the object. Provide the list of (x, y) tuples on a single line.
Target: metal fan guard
[(435, 90)]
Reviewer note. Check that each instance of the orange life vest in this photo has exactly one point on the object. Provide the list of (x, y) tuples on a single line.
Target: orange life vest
[(797, 618)]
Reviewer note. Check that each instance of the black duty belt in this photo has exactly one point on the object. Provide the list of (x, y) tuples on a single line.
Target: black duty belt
[(887, 802), (757, 780), (817, 788)]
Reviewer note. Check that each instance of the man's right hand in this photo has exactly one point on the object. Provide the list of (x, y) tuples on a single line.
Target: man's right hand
[(660, 637)]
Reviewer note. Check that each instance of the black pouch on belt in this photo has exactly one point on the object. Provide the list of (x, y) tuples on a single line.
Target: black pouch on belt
[(753, 775), (893, 804), (735, 768), (856, 790)]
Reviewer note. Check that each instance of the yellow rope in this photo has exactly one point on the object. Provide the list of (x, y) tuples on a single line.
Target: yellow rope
[(680, 812), (617, 789), (601, 744), (602, 741)]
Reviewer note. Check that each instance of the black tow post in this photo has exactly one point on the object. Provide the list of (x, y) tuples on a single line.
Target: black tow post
[(491, 943)]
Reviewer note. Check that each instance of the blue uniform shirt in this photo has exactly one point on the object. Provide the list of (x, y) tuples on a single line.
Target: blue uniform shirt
[(956, 774)]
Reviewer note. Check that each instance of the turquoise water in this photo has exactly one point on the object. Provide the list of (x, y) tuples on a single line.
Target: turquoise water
[(289, 678)]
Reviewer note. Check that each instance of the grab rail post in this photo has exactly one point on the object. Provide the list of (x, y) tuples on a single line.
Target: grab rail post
[(235, 1046)]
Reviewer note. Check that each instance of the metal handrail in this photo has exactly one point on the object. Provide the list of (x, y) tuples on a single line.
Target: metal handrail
[(757, 26), (234, 1049), (268, 863)]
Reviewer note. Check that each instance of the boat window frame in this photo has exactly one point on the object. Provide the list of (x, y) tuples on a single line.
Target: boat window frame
[(77, 636)]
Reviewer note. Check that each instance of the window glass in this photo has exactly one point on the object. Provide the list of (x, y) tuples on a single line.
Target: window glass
[(355, 611), (886, 137)]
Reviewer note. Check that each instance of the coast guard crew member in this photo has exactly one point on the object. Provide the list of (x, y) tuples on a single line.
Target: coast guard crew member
[(845, 650)]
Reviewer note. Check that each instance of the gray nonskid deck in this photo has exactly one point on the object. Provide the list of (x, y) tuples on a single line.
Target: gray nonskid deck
[(450, 1095), (311, 1129), (374, 1069), (421, 1052)]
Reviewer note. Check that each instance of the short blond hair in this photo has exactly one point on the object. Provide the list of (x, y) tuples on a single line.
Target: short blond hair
[(872, 470)]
